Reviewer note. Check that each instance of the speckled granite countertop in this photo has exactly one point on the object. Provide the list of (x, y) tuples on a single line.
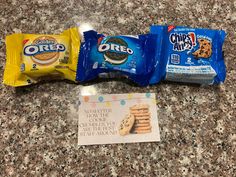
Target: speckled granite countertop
[(38, 126)]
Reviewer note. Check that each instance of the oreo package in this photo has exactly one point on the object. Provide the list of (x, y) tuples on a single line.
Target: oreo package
[(190, 55), (32, 58), (131, 56)]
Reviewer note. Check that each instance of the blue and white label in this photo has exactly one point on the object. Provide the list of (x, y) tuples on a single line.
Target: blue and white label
[(190, 74), (175, 59)]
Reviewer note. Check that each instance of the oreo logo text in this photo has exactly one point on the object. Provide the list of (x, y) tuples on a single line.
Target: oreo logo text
[(182, 42), (115, 50), (31, 50)]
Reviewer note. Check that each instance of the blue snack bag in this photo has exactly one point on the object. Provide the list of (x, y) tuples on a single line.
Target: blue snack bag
[(191, 55), (132, 56)]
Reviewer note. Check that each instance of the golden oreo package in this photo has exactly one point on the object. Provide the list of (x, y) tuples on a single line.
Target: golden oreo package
[(35, 57)]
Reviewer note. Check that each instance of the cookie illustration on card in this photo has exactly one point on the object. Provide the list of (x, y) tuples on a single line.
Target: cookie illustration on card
[(117, 118), (205, 49), (142, 128), (137, 121), (137, 124), (139, 107), (142, 131), (142, 123), (126, 125)]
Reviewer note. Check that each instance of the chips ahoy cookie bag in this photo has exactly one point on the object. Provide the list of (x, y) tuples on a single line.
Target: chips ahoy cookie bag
[(35, 57), (132, 56), (191, 55)]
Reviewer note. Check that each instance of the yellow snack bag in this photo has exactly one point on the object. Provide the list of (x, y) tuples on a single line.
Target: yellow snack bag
[(35, 57)]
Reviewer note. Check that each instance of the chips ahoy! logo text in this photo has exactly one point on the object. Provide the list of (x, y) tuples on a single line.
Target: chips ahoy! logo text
[(182, 41)]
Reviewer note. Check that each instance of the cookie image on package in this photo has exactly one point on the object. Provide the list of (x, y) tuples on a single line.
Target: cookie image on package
[(116, 57), (126, 125), (205, 49), (142, 116), (45, 58)]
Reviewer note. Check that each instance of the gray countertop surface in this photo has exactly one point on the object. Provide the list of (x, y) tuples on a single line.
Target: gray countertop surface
[(38, 125)]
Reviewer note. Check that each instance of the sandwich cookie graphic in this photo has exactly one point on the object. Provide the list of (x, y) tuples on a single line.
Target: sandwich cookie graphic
[(44, 50), (115, 50)]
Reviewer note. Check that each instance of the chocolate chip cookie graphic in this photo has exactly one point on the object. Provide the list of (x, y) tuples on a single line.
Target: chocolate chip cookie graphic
[(205, 49), (126, 125)]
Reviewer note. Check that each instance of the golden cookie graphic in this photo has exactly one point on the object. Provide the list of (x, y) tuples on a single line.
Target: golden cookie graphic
[(45, 45)]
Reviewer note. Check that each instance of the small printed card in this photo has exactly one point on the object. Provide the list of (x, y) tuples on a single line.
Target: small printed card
[(118, 118)]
